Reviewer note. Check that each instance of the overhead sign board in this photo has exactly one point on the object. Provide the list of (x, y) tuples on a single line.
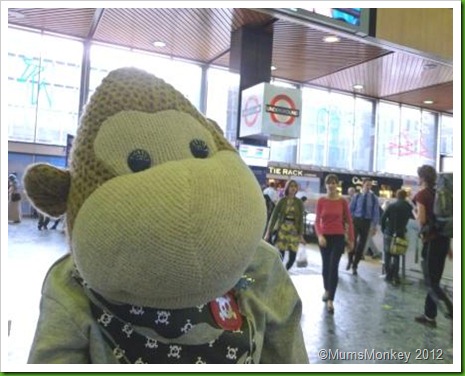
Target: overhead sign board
[(271, 112)]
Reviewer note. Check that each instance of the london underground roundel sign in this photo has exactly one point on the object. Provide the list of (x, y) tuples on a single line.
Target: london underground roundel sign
[(251, 110), (282, 110)]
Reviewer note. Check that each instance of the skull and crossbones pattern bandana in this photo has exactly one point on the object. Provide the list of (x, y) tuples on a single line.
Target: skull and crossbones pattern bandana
[(149, 335)]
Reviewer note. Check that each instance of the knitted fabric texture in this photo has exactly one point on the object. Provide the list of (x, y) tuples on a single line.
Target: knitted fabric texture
[(122, 90), (162, 211), (47, 187)]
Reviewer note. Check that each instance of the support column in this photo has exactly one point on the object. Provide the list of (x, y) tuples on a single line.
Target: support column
[(85, 78), (250, 56)]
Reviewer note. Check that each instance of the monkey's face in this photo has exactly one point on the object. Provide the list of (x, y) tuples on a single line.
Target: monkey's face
[(178, 216)]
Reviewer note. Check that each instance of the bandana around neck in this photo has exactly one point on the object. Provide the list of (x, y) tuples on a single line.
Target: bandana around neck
[(212, 333)]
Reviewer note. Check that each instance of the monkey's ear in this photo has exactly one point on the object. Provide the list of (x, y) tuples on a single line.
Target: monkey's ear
[(47, 187)]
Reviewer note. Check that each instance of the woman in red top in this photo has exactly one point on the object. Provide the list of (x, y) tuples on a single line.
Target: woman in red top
[(333, 221)]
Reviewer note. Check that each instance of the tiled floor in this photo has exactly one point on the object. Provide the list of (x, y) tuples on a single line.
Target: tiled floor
[(371, 317)]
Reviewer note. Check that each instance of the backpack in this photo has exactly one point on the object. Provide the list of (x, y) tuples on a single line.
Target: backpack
[(442, 207)]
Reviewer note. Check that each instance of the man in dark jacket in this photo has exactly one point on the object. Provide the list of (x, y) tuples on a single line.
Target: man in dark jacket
[(393, 222), (364, 208)]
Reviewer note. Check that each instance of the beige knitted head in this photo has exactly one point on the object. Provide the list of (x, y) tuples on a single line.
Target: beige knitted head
[(161, 210)]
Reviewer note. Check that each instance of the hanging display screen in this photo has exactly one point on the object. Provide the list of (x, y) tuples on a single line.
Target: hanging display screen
[(350, 16), (360, 21), (255, 155)]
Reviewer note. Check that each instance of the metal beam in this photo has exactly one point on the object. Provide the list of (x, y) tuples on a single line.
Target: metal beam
[(98, 14), (85, 65)]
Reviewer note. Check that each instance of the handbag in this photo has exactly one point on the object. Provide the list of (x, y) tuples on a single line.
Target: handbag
[(398, 246), (15, 197), (301, 258)]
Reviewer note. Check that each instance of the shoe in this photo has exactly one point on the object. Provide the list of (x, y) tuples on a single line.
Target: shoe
[(354, 272), (325, 297), (330, 307), (426, 321), (449, 307), (349, 264)]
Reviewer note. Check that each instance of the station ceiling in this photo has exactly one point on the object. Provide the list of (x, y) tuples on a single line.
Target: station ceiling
[(299, 53)]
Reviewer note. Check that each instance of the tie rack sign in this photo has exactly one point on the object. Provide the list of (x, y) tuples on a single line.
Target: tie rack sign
[(270, 112)]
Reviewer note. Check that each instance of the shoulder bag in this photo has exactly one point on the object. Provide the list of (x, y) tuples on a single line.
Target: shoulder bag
[(398, 246)]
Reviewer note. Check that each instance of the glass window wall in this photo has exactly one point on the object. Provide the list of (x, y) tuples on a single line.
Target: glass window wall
[(314, 126), (388, 141), (340, 130), (44, 80), (185, 77), (363, 138), (222, 100), (337, 130), (446, 135), (428, 145), (406, 138)]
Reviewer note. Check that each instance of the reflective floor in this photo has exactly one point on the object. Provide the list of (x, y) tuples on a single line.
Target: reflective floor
[(373, 321)]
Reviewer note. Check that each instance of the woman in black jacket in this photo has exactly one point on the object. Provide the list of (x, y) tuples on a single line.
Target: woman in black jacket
[(394, 222)]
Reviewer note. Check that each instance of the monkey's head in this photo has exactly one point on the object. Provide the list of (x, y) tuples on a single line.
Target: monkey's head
[(161, 210)]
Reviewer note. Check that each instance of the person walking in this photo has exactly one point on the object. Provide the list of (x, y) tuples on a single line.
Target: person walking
[(271, 192), (287, 220), (44, 220), (436, 248), (351, 192), (333, 221), (394, 223), (14, 199), (364, 208)]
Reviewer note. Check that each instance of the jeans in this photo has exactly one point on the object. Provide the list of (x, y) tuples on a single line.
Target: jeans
[(434, 255), (361, 232), (43, 222), (391, 263), (331, 255)]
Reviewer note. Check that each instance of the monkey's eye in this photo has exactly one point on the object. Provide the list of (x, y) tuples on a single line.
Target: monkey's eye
[(199, 148), (139, 160)]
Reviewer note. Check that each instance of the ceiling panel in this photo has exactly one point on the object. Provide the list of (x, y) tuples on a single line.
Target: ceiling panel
[(195, 34), (389, 74), (441, 95), (74, 22), (299, 53)]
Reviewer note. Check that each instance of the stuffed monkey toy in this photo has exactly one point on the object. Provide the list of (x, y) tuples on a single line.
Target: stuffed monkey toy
[(164, 222)]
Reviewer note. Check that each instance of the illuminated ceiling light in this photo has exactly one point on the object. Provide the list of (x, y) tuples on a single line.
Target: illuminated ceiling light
[(429, 66), (159, 43), (358, 87), (16, 15), (273, 67), (331, 39), (428, 101)]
